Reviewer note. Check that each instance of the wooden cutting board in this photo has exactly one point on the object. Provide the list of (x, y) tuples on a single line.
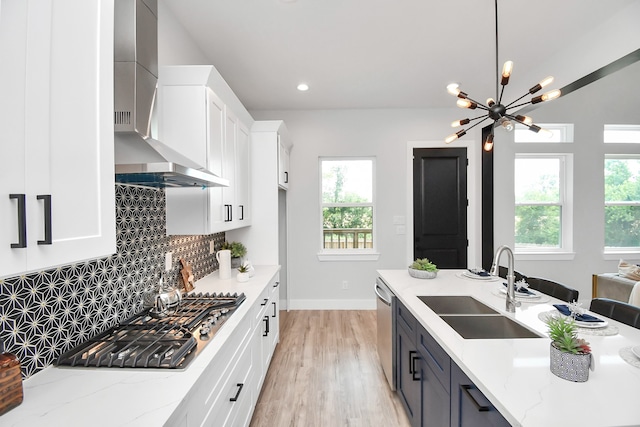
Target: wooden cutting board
[(187, 275)]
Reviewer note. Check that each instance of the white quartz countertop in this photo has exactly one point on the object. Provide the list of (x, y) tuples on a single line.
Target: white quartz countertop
[(514, 374), (69, 397)]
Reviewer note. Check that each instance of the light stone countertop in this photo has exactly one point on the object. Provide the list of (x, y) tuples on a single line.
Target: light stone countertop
[(514, 374), (70, 396)]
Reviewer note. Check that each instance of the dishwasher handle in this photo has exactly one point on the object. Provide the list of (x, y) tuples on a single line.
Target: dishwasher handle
[(385, 299)]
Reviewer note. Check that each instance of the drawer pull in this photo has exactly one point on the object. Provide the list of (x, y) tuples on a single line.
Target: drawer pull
[(481, 408), (412, 368), (234, 398), (266, 328), (276, 284), (47, 218), (265, 302), (22, 221), (275, 310)]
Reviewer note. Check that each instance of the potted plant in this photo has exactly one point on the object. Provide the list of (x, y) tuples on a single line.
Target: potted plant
[(243, 273), (423, 269), (570, 356), (238, 250)]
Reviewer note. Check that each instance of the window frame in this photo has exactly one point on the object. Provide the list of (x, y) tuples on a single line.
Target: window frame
[(350, 254), (564, 130), (565, 202), (617, 251)]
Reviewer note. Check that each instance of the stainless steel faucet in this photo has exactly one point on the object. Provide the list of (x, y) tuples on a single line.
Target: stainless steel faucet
[(511, 302)]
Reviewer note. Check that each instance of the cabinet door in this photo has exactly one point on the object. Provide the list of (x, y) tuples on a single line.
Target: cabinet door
[(215, 160), (68, 131), (13, 40), (408, 377), (229, 167), (243, 170), (469, 407), (78, 172), (434, 398), (283, 164)]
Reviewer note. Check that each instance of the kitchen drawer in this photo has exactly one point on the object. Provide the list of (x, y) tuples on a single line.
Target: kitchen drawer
[(209, 385), (405, 319), (435, 357), (261, 305), (235, 393)]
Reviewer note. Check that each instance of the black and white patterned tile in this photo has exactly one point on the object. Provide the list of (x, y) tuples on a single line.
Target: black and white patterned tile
[(46, 313)]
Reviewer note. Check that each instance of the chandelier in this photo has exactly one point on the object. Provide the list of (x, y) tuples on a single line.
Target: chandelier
[(496, 110)]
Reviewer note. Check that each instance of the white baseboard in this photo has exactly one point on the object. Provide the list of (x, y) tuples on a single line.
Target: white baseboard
[(333, 304)]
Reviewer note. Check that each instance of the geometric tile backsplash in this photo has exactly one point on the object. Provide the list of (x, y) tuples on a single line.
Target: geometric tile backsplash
[(44, 314)]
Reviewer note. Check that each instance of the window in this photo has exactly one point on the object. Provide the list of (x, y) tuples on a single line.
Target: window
[(347, 206), (622, 202), (543, 203), (624, 134), (561, 133)]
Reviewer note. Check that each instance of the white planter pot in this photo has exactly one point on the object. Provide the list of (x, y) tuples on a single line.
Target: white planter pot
[(242, 277)]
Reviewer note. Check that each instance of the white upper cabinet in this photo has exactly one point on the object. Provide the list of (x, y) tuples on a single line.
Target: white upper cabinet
[(283, 164), (57, 190), (193, 120)]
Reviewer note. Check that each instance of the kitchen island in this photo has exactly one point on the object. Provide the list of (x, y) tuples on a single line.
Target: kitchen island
[(78, 396), (514, 374)]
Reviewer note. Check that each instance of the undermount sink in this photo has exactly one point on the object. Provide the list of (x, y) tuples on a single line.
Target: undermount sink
[(456, 304), (488, 327), (472, 319)]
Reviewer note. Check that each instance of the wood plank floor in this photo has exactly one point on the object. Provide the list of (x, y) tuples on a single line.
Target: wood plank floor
[(325, 372)]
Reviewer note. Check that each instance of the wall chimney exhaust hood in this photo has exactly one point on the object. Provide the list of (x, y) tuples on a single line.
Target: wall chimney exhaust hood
[(141, 160)]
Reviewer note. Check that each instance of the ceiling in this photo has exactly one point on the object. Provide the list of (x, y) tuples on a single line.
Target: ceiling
[(379, 53)]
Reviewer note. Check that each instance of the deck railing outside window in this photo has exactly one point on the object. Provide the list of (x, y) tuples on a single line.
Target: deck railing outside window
[(348, 238)]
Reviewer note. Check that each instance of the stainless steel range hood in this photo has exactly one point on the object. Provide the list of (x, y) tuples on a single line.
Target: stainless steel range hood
[(139, 159)]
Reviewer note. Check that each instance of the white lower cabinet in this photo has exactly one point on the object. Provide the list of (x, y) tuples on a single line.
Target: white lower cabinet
[(227, 392)]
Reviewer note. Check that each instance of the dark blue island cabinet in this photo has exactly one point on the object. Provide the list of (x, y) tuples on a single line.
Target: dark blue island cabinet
[(432, 388)]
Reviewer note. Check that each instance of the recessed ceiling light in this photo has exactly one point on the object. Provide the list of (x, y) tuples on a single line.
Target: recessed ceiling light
[(303, 87)]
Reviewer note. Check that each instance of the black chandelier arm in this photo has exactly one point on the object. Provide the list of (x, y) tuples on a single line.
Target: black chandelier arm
[(532, 127), (476, 124), (501, 93), (519, 105), (514, 101)]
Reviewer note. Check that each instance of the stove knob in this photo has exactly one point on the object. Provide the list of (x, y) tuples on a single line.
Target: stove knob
[(224, 310), (204, 330)]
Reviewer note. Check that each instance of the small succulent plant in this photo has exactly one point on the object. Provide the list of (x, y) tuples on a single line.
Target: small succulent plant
[(244, 268), (423, 264), (563, 333)]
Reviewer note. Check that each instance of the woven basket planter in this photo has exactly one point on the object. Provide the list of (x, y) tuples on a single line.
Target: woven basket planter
[(569, 366)]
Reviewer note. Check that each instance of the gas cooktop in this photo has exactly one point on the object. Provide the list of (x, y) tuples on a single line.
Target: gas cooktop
[(157, 340)]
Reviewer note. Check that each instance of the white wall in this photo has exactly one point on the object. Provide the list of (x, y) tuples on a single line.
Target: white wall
[(384, 134)]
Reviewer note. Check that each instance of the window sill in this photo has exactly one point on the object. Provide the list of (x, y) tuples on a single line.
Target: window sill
[(348, 256), (620, 254), (544, 256)]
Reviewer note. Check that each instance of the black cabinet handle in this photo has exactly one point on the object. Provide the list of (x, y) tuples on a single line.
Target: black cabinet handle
[(22, 220), (241, 212), (47, 218), (265, 302), (266, 329), (411, 353), (412, 368), (276, 284), (286, 177), (274, 309), (481, 408), (234, 398), (228, 213)]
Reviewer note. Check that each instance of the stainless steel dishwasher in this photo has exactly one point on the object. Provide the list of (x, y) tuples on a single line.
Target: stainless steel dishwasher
[(386, 322)]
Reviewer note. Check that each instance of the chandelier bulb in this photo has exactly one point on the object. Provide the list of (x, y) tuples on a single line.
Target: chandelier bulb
[(453, 89), (455, 136), (546, 96), (507, 125), (507, 68), (524, 119), (488, 144), (458, 123), (465, 103), (543, 83), (491, 102)]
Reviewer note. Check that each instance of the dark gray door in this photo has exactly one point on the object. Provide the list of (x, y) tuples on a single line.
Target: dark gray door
[(440, 206)]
